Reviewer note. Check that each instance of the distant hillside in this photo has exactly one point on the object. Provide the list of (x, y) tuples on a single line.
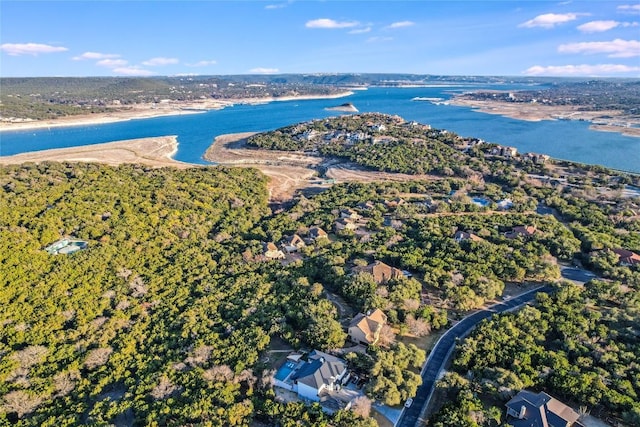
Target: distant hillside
[(592, 95), (52, 97)]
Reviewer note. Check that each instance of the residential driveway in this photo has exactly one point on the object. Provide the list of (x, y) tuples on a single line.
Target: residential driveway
[(444, 348), (576, 274), (392, 414), (589, 421)]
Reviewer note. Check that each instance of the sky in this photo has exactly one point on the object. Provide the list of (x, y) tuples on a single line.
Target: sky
[(147, 38)]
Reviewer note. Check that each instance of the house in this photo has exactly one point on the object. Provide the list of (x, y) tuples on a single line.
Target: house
[(293, 243), (366, 206), (345, 224), (509, 151), (271, 251), (353, 138), (378, 128), (316, 233), (461, 236), (525, 231), (365, 328), (394, 203), (539, 159), (350, 214), (504, 151), (530, 409), (627, 258), (66, 246), (308, 135), (382, 272), (320, 373), (505, 204), (389, 221)]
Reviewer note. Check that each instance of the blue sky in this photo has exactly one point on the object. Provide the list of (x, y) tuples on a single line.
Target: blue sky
[(143, 38)]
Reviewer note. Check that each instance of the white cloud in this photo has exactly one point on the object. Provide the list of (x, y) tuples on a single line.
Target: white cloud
[(580, 70), (278, 5), (601, 26), (617, 48), (35, 49), (95, 55), (401, 24), (154, 62), (377, 39), (360, 30), (112, 63), (203, 63), (133, 71), (261, 70), (550, 20), (598, 26), (629, 8), (330, 24)]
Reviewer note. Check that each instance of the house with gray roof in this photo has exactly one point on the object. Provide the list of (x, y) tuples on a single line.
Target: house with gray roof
[(320, 372), (528, 409)]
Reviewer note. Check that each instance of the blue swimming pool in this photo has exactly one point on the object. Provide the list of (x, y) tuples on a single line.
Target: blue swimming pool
[(284, 371), (480, 201)]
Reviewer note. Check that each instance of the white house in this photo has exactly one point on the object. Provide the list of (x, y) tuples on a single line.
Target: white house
[(320, 372)]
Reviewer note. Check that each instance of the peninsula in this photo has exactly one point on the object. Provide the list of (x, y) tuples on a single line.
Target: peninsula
[(346, 107), (155, 152), (608, 105)]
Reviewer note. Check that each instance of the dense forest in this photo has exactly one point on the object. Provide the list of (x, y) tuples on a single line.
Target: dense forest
[(53, 97), (173, 313)]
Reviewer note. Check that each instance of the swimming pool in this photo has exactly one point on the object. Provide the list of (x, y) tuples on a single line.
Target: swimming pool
[(284, 371)]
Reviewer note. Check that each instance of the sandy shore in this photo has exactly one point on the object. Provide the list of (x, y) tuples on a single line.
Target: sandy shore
[(538, 112), (146, 111), (155, 152)]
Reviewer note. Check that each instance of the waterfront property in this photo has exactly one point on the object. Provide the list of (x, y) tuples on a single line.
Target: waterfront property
[(66, 246)]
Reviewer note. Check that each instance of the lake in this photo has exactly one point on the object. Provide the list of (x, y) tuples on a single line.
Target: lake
[(569, 140)]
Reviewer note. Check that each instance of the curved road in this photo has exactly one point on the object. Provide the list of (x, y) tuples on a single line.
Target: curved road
[(442, 350)]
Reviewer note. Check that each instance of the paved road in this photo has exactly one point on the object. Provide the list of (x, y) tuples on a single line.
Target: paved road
[(576, 274), (445, 345)]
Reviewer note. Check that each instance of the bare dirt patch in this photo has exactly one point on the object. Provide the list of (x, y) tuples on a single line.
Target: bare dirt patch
[(291, 171)]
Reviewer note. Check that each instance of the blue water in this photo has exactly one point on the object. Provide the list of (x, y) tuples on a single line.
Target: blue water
[(570, 140), (480, 201), (284, 371)]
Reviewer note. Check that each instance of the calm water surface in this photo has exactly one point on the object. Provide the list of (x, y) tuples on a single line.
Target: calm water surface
[(568, 140)]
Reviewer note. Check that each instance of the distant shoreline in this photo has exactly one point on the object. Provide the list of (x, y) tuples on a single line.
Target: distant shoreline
[(148, 111), (538, 112)]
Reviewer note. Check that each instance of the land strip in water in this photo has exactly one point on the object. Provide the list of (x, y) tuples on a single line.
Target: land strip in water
[(155, 152)]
